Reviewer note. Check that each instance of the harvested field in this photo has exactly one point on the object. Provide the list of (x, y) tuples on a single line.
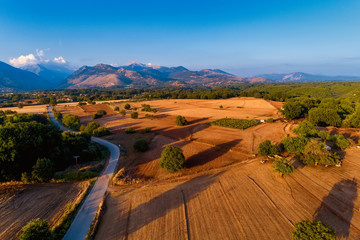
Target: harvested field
[(21, 203), (28, 109), (242, 201)]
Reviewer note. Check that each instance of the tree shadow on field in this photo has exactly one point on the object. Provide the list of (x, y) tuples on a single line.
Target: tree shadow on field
[(336, 209), (162, 204), (210, 154)]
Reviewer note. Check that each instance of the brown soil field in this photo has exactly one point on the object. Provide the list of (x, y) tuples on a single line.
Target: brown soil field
[(28, 109), (21, 203), (242, 201)]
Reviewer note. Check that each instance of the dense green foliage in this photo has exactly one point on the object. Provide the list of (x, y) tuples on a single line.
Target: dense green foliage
[(172, 159), (266, 148), (141, 145), (314, 230), (35, 230), (116, 108), (43, 170), (315, 153), (134, 115), (94, 129), (71, 121), (180, 120), (235, 123), (292, 110), (339, 141), (324, 117), (281, 165), (294, 145), (306, 129)]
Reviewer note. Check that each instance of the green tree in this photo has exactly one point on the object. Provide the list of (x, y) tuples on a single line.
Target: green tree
[(316, 153), (36, 230), (127, 106), (294, 145), (306, 129), (90, 127), (123, 112), (292, 110), (266, 148), (324, 117), (180, 120), (116, 108), (281, 165), (134, 115), (312, 231), (43, 170), (101, 131), (141, 145), (172, 159), (339, 141), (71, 121)]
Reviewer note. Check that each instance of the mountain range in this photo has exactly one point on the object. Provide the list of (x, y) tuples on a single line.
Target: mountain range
[(133, 75)]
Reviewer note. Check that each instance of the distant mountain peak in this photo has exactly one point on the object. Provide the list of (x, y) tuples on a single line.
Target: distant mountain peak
[(135, 63)]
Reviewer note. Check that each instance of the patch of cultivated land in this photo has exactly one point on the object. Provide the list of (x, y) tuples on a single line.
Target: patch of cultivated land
[(224, 192), (28, 109), (20, 203), (242, 201)]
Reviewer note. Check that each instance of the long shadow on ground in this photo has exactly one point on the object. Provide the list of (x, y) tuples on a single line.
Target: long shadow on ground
[(336, 209)]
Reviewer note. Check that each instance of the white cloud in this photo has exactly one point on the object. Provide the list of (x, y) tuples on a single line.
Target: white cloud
[(38, 57), (59, 60), (23, 60)]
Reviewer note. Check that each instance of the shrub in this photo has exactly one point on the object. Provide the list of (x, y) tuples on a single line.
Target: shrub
[(35, 230), (150, 116), (130, 130), (339, 141), (127, 106), (324, 135), (266, 148), (147, 108), (43, 170), (221, 107), (141, 145), (123, 112), (181, 121), (235, 123), (281, 165), (134, 115), (172, 159), (20, 105), (81, 103), (101, 131), (99, 114), (91, 127), (26, 177), (312, 230), (71, 121), (116, 108), (270, 120), (57, 115), (147, 129), (294, 145)]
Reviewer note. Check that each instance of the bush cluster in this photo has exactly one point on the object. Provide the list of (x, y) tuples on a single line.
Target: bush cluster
[(172, 159), (99, 114), (235, 123)]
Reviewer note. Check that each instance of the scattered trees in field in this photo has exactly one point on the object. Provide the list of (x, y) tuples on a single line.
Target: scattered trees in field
[(312, 230), (71, 121), (134, 115), (147, 108), (266, 148), (282, 166), (141, 145), (172, 159), (180, 121), (235, 123)]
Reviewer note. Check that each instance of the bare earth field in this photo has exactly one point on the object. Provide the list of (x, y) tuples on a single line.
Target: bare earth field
[(28, 109), (223, 192), (20, 203)]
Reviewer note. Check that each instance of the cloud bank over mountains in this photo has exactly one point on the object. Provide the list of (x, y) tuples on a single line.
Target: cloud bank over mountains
[(35, 58)]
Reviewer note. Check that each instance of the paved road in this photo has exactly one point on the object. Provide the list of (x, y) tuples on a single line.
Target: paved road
[(81, 224)]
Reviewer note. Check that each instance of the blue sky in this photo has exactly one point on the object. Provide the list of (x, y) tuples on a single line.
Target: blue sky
[(241, 37)]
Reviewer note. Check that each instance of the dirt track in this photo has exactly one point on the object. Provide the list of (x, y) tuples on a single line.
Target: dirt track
[(21, 203)]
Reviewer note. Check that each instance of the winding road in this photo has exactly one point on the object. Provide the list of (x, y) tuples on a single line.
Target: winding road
[(81, 224)]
